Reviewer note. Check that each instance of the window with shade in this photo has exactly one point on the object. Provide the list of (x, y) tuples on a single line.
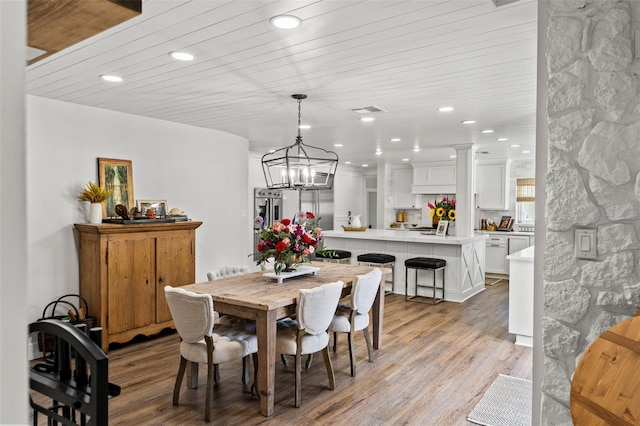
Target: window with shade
[(526, 201)]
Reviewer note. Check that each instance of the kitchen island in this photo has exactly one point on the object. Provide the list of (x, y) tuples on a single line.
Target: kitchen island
[(465, 256), (521, 296)]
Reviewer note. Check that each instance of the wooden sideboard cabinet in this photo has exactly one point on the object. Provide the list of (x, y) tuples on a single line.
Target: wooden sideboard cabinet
[(123, 271)]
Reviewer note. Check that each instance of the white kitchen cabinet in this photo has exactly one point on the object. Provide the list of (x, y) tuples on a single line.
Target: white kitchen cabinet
[(401, 180), (496, 254), (517, 243), (521, 296), (434, 177), (492, 185)]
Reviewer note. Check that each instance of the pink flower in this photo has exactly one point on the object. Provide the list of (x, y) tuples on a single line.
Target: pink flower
[(317, 231), (306, 252), (287, 241), (277, 227), (312, 249)]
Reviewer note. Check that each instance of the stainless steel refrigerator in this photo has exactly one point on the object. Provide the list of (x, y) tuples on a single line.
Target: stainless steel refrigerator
[(320, 203), (268, 204)]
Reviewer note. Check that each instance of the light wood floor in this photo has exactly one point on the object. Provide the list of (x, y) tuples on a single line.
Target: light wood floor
[(435, 364)]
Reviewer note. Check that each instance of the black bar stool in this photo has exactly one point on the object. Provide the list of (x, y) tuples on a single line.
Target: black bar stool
[(424, 263), (336, 256), (379, 259)]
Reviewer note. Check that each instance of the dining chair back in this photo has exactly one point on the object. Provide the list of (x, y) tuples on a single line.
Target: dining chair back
[(307, 334), (355, 317), (193, 317), (227, 271)]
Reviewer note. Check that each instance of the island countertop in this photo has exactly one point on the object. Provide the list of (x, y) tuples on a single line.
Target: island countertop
[(403, 236)]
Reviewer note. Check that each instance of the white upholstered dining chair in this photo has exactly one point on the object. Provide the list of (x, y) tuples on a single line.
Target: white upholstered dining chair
[(227, 271), (307, 334), (355, 317), (193, 317)]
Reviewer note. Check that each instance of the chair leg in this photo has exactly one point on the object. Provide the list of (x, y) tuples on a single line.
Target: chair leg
[(368, 340), (245, 369), (298, 368), (283, 357), (254, 386), (210, 379), (176, 387), (335, 341), (309, 361), (352, 352), (327, 363)]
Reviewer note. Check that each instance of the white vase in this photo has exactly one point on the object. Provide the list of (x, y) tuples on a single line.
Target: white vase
[(87, 210), (95, 213)]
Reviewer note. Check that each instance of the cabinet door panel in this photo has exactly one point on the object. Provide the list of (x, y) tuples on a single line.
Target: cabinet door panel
[(130, 284), (175, 266)]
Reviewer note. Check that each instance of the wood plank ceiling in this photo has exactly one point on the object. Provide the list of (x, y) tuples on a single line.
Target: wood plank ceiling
[(406, 57)]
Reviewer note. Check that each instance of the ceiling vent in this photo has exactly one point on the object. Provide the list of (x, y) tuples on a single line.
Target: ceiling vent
[(499, 3), (368, 110), (482, 152)]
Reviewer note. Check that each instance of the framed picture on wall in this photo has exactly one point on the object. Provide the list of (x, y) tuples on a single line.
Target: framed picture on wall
[(441, 230), (116, 175), (159, 206)]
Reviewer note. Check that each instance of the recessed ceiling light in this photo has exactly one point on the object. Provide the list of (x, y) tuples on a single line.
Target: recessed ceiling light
[(378, 152), (416, 149), (395, 139), (468, 121), (365, 165), (515, 145), (367, 119), (286, 22), (182, 56), (502, 139), (526, 151), (452, 156), (305, 126), (445, 109), (111, 78), (272, 151), (487, 131), (405, 159), (347, 162), (338, 145)]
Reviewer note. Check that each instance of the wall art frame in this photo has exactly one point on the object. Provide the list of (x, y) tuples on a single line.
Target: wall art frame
[(116, 175)]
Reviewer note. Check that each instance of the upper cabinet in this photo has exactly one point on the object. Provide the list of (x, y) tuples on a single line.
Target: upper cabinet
[(492, 185), (401, 180), (437, 177)]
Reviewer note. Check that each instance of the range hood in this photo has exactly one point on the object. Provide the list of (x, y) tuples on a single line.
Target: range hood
[(434, 177)]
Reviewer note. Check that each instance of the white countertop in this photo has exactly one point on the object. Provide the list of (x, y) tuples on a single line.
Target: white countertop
[(402, 236), (525, 255), (507, 233)]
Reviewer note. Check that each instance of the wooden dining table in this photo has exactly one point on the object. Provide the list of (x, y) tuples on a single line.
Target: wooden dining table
[(261, 299)]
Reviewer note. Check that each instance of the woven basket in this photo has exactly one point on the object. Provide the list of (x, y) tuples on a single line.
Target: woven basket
[(351, 229)]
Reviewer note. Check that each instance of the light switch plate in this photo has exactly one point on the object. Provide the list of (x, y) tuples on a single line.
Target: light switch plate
[(586, 244)]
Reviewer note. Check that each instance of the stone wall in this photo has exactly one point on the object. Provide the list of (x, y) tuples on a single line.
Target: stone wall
[(592, 182)]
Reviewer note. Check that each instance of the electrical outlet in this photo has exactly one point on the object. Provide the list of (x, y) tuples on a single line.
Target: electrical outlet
[(586, 244)]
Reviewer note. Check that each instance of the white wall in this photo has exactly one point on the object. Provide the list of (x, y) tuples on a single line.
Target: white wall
[(201, 171), (13, 319)]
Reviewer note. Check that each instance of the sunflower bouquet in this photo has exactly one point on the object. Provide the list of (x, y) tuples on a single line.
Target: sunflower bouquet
[(444, 209)]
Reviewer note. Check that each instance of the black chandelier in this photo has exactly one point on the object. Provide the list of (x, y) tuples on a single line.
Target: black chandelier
[(300, 166)]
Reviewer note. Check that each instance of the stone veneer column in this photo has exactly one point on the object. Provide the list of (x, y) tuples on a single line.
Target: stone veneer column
[(465, 184), (592, 182)]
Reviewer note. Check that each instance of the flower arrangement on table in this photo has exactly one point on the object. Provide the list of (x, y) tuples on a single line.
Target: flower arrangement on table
[(444, 209), (288, 242)]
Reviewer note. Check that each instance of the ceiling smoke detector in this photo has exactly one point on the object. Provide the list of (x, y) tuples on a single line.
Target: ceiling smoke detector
[(368, 110)]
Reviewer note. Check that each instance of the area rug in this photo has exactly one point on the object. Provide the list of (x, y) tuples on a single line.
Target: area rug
[(492, 281), (507, 402)]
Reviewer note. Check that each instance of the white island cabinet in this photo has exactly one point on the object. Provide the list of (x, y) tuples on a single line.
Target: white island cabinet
[(464, 273), (521, 296)]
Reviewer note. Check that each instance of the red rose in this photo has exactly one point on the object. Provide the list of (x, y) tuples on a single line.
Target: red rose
[(310, 215), (286, 222), (306, 238), (260, 247), (281, 246)]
